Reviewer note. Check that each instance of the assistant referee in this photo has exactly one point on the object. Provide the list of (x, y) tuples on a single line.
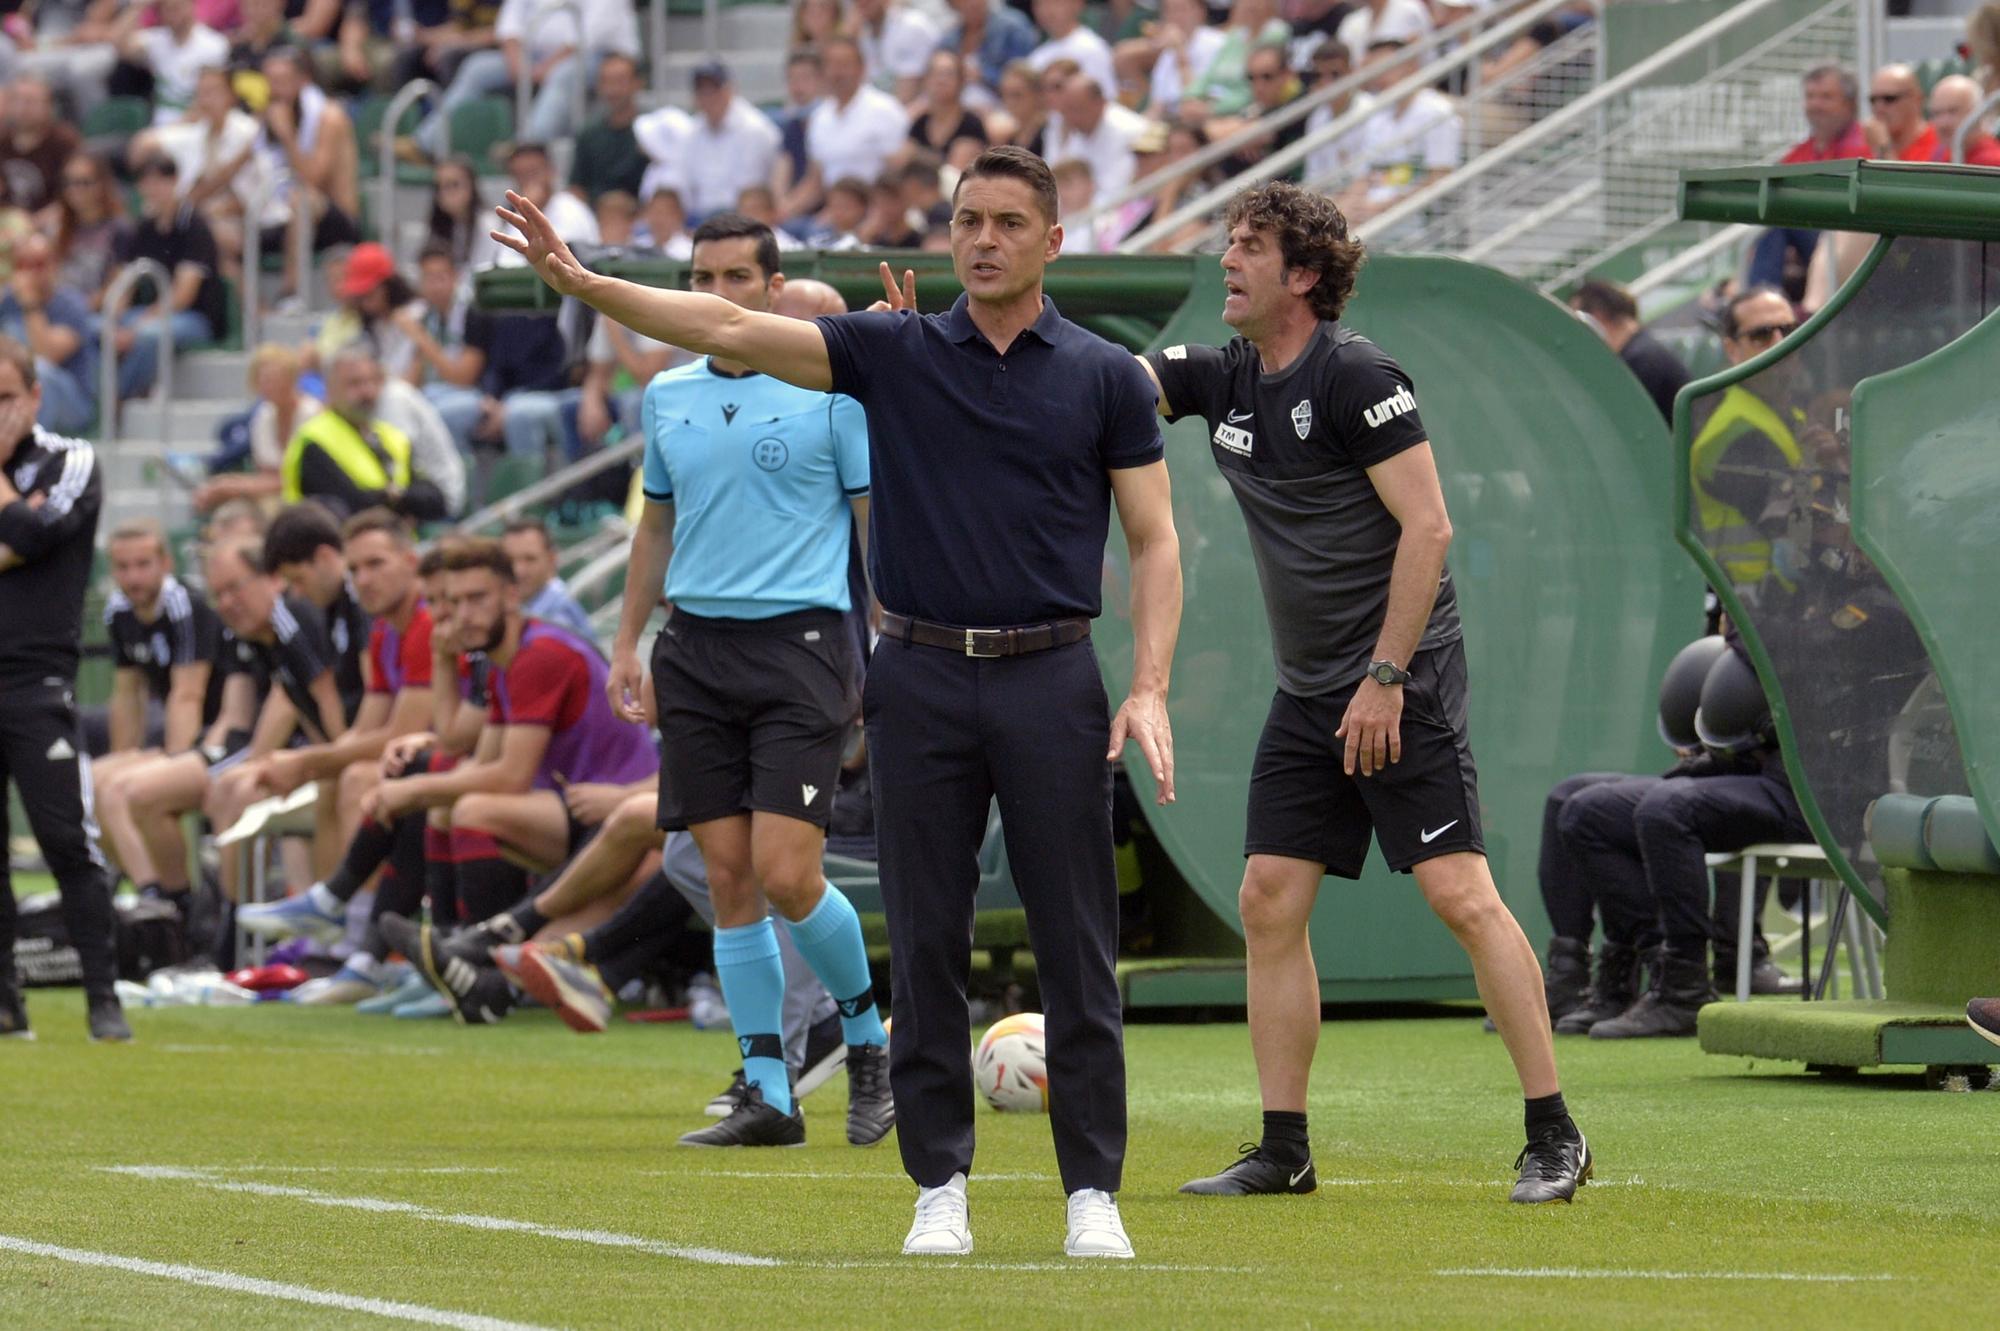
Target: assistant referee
[(50, 492), (998, 433)]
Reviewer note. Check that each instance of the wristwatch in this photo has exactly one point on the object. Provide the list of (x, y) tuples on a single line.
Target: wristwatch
[(1387, 673)]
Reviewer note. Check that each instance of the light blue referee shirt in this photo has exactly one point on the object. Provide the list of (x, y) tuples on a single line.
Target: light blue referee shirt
[(760, 475)]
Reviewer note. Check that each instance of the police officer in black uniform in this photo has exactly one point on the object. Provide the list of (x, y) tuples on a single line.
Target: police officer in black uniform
[(50, 492), (998, 434)]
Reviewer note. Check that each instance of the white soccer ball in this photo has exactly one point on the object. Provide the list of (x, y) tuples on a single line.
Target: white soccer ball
[(1010, 1068)]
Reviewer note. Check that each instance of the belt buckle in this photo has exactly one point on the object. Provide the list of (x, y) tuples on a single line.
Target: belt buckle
[(972, 643)]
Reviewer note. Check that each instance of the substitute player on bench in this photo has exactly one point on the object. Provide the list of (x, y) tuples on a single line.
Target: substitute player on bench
[(752, 488), (1315, 428)]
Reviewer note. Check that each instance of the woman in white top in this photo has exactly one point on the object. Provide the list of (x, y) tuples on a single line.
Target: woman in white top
[(221, 175)]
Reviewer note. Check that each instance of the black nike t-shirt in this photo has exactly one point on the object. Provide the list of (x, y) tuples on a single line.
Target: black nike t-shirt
[(1295, 447), (347, 628)]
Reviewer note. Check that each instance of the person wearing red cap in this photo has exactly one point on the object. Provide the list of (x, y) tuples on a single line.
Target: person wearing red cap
[(370, 291)]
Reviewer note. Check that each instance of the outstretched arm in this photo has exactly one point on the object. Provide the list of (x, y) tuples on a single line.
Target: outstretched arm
[(789, 349)]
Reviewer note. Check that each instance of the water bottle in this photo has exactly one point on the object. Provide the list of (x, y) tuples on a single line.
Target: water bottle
[(706, 1010)]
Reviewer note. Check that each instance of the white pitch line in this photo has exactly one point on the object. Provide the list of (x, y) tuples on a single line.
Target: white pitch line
[(269, 1289), (380, 1205), (355, 1169), (832, 1174), (1578, 1273)]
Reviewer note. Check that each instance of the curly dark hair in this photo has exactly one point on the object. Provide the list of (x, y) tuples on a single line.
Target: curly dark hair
[(1312, 235)]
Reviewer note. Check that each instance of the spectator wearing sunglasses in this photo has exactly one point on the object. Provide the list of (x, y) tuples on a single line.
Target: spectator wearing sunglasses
[(1896, 127)]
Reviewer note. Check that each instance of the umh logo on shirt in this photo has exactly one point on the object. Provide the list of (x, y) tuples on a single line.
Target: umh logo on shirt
[(1390, 407)]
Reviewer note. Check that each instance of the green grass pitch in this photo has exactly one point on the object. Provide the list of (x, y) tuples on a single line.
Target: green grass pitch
[(525, 1176)]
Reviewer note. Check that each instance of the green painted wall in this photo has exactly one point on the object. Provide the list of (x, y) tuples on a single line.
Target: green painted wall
[(1557, 471)]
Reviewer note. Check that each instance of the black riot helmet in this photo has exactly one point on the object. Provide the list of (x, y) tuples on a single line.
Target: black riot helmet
[(1734, 716), (1680, 689)]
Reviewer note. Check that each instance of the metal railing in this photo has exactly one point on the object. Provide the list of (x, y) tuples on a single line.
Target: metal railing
[(1971, 124), (656, 48), (385, 213), (1726, 241), (505, 510), (1293, 111), (1202, 206), (115, 296), (1614, 156), (524, 82), (251, 293)]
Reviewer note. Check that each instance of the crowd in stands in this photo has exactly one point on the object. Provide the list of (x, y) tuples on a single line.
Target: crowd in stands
[(252, 130)]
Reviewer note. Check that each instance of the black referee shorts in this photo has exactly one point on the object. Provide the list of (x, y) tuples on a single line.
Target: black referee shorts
[(754, 715), (1304, 807)]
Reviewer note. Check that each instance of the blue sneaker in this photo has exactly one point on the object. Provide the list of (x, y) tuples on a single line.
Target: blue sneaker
[(432, 1004), (346, 985), (299, 915), (413, 987)]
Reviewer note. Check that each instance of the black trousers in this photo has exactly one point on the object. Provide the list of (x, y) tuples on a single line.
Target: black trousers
[(1641, 841), (41, 753), (946, 735)]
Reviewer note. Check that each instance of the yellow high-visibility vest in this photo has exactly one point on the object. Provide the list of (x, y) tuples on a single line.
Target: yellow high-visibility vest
[(350, 452), (1734, 539)]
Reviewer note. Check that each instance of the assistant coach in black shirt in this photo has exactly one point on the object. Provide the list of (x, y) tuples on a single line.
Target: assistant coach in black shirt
[(998, 432), (1317, 432), (50, 492)]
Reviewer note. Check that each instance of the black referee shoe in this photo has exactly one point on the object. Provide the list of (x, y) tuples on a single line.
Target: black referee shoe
[(753, 1123), (871, 1110), (1256, 1173), (1552, 1168)]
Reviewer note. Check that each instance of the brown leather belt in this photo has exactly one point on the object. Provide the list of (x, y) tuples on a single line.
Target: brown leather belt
[(985, 642)]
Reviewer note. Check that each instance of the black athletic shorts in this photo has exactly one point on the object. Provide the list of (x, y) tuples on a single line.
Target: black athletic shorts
[(754, 714), (1304, 807)]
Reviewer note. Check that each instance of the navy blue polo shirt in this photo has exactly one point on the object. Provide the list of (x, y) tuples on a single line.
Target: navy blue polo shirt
[(990, 475)]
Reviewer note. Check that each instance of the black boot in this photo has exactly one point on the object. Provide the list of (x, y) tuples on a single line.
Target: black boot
[(1612, 989), (1670, 1004), (106, 1014), (13, 1012), (1566, 977)]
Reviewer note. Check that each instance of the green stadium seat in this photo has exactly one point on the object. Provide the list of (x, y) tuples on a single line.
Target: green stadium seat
[(368, 129), (1928, 72), (117, 117), (480, 124), (512, 474)]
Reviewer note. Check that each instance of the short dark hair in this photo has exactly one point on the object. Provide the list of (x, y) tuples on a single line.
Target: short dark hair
[(297, 534), (476, 553), (1729, 326), (529, 148), (436, 249), (14, 352), (1601, 299), (379, 519), (1312, 235), (1014, 162), (804, 55), (535, 525), (854, 185), (432, 562), (735, 226)]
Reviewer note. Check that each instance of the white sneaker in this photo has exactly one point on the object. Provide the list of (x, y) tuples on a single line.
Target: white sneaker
[(942, 1228), (1094, 1227)]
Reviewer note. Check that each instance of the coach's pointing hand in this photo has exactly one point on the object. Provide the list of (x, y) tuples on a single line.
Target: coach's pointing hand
[(539, 244), (1143, 720)]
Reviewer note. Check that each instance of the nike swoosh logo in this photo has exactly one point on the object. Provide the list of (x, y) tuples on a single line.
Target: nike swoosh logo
[(1429, 837), (1237, 418), (1301, 1174)]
